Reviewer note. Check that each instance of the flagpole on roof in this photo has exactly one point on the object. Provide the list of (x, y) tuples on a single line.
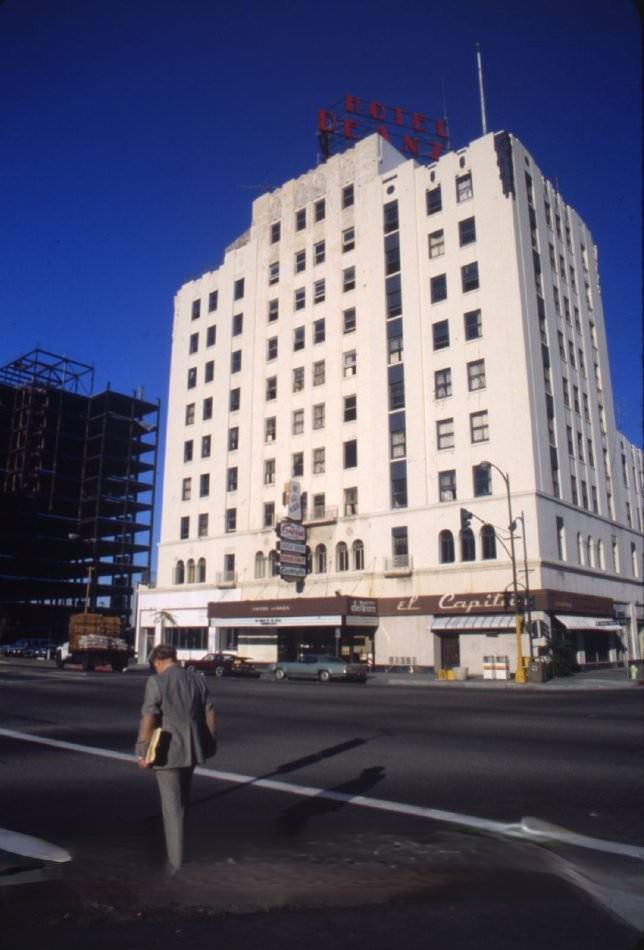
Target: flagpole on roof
[(481, 92)]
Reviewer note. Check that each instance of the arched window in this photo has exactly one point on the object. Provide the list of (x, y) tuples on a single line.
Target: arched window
[(580, 548), (320, 559), (446, 553), (358, 555), (468, 547), (488, 543), (201, 570), (191, 571), (260, 565), (341, 557), (590, 552), (600, 555), (273, 563), (179, 573), (309, 560)]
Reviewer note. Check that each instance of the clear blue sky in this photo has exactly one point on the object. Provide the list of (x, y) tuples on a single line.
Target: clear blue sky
[(135, 134)]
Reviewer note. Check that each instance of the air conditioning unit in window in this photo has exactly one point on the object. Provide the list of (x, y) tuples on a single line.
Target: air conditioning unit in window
[(270, 438)]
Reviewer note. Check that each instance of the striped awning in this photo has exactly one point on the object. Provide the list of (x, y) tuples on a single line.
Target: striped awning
[(600, 624), (475, 622)]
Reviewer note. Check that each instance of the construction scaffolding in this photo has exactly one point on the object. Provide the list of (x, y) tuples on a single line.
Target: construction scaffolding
[(77, 489)]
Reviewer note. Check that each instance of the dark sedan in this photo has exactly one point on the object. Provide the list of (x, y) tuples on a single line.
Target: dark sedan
[(223, 664)]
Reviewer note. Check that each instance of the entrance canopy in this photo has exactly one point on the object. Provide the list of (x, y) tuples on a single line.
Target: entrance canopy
[(599, 624), (475, 622)]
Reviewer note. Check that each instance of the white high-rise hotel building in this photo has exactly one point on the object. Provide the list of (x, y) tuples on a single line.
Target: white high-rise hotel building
[(382, 330)]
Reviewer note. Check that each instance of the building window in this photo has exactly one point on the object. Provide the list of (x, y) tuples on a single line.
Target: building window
[(466, 231), (396, 394), (341, 557), (347, 196), (260, 565), (195, 311), (268, 519), (357, 550), (320, 559), (445, 434), (213, 299), (446, 554), (318, 416), (488, 543), (479, 426), (186, 489), (438, 288), (233, 439), (319, 373), (476, 375), (468, 547), (464, 187), (394, 342), (298, 379), (238, 289), (350, 411), (400, 547), (269, 471), (231, 519), (270, 429), (319, 331), (348, 278), (271, 388), (271, 348), (231, 479), (470, 276), (206, 442), (442, 383), (179, 573), (273, 564), (235, 361), (206, 409), (300, 261), (297, 422), (192, 377), (447, 485), (202, 532), (349, 363), (473, 324), (436, 243), (434, 200), (393, 295), (235, 399), (398, 444), (319, 461), (300, 298), (209, 371), (276, 232), (319, 291), (440, 334), (350, 502), (238, 324), (204, 486), (274, 272), (184, 527), (482, 480), (211, 335), (194, 343), (319, 210), (190, 414), (297, 464), (319, 252), (390, 217), (300, 219), (350, 453), (273, 310), (187, 450), (299, 338), (348, 239), (392, 254)]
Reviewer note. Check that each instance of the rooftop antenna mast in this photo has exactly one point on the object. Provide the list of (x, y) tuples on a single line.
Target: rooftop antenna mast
[(481, 92)]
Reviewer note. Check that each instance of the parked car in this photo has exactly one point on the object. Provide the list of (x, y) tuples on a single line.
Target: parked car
[(224, 664), (20, 647), (41, 649), (320, 667)]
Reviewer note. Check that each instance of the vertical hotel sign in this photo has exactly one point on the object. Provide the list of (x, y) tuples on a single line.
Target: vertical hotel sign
[(414, 133)]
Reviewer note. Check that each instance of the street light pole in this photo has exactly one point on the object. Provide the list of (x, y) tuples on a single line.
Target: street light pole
[(518, 620)]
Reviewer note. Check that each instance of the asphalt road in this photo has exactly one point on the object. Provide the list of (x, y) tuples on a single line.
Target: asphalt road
[(313, 783)]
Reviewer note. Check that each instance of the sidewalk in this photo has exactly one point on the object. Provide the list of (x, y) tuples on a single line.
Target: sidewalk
[(586, 679)]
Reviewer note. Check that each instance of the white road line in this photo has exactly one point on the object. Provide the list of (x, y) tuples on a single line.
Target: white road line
[(527, 829)]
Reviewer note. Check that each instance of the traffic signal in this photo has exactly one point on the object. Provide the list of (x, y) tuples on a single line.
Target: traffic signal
[(466, 517)]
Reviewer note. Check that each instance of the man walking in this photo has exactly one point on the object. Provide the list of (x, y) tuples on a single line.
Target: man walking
[(178, 701)]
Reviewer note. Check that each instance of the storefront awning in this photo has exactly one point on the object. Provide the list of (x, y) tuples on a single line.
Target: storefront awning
[(600, 624), (475, 622)]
